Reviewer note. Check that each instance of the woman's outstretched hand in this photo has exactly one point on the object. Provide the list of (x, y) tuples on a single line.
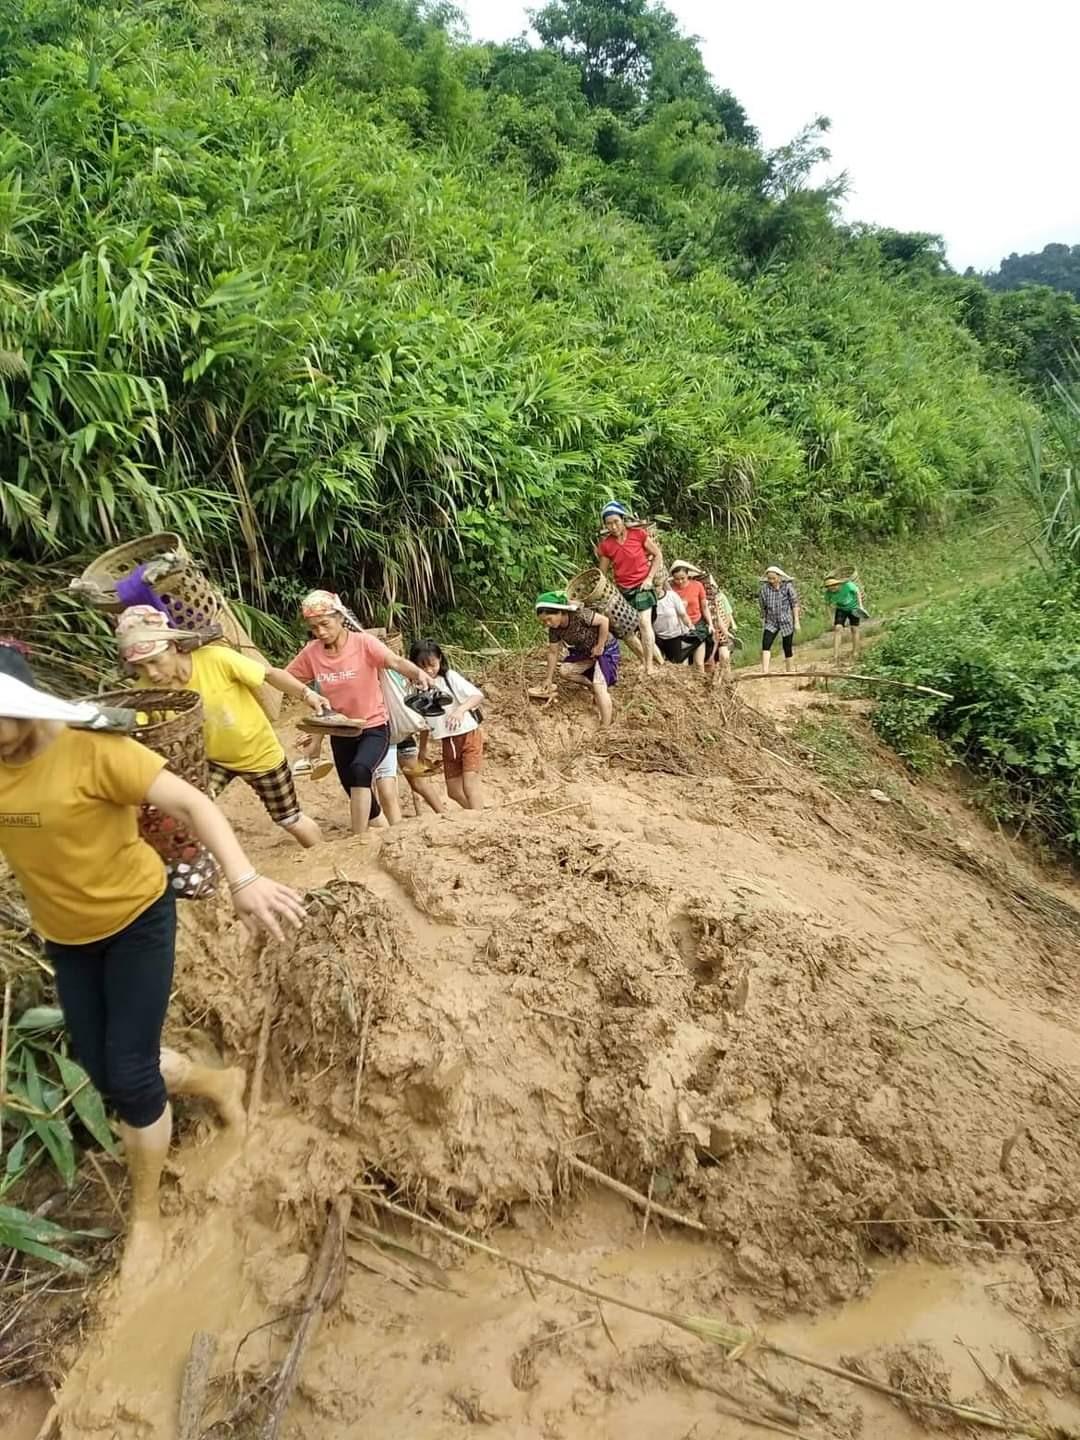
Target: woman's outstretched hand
[(267, 907)]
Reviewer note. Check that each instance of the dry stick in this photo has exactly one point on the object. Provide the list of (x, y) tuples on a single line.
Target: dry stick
[(720, 1333), (648, 1207), (848, 675), (3, 1054), (327, 1278), (783, 1423), (635, 1197), (96, 1163), (195, 1384), (255, 1098), (365, 1027)]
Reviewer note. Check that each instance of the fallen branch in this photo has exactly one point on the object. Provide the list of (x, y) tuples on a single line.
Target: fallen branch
[(847, 675), (195, 1384), (269, 1005), (635, 1197), (738, 1341), (324, 1287)]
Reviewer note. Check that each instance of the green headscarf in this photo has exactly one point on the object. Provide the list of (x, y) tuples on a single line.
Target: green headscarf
[(554, 600)]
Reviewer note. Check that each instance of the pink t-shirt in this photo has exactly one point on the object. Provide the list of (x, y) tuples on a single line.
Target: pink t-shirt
[(350, 680)]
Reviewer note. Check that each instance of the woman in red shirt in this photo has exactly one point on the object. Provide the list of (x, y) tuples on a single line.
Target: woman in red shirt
[(632, 555), (691, 591), (346, 663)]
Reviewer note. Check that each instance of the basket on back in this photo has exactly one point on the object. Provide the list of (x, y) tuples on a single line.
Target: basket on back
[(170, 722), (186, 593), (594, 589)]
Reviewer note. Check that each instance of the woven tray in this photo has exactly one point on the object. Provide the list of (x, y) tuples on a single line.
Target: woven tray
[(331, 725)]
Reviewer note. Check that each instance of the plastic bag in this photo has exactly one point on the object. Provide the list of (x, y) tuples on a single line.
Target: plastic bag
[(403, 721)]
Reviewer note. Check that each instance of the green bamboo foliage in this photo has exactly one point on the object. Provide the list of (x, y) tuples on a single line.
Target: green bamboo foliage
[(297, 281)]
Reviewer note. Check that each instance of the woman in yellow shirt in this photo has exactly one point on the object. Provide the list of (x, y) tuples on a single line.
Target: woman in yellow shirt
[(240, 741), (97, 895)]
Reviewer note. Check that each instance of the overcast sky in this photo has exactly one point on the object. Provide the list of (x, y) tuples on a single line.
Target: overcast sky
[(954, 116)]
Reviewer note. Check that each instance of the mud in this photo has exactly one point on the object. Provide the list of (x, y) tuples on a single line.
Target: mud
[(780, 1013)]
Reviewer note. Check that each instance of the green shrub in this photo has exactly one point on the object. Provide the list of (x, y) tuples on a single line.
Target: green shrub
[(1010, 658)]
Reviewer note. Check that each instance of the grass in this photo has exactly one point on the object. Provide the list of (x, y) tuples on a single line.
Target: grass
[(845, 758), (901, 575)]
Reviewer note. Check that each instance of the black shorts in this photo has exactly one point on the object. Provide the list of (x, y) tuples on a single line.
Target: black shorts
[(788, 642), (679, 648), (846, 617)]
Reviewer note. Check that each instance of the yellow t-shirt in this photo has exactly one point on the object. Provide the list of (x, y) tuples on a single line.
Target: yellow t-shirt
[(69, 829), (238, 735)]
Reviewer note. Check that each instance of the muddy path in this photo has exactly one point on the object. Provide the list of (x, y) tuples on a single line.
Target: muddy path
[(841, 1039)]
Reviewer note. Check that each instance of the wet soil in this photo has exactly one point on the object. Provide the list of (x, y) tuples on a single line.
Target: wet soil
[(824, 1030)]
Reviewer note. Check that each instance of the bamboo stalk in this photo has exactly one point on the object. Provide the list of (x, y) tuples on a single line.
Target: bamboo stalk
[(195, 1384), (847, 675), (735, 1338), (635, 1197)]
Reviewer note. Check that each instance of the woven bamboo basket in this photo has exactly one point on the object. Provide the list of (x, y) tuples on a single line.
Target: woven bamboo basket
[(97, 583), (173, 729), (593, 588)]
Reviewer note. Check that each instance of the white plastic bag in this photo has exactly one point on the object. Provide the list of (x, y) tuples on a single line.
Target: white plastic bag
[(403, 721)]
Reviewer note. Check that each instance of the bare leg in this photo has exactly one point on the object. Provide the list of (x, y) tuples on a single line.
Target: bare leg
[(473, 787), (223, 1088), (699, 659), (765, 658), (145, 1149), (388, 800), (360, 810), (424, 789), (456, 791), (854, 642), (602, 697), (836, 644), (304, 831), (789, 660), (648, 640)]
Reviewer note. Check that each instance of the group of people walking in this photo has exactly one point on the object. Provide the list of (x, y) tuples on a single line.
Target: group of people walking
[(680, 622), (103, 900)]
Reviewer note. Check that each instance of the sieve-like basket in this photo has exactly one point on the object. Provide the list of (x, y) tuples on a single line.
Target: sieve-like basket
[(594, 589), (173, 729)]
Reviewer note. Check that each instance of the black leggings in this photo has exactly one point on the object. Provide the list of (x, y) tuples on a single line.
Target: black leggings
[(358, 758), (788, 642), (114, 994)]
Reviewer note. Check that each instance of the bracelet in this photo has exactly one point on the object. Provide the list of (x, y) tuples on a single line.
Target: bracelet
[(243, 881)]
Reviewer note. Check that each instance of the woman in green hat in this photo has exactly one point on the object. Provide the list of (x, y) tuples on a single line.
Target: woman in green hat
[(594, 654), (844, 594)]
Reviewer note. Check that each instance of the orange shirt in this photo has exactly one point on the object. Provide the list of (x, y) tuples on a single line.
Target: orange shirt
[(692, 595), (350, 680)]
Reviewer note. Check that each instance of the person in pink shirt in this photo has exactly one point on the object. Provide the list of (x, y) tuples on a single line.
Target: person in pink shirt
[(345, 664)]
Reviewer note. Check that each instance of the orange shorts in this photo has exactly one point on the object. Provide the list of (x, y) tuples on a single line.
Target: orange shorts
[(461, 753)]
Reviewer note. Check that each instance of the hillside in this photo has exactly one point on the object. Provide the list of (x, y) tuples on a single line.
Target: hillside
[(340, 295), (1055, 265)]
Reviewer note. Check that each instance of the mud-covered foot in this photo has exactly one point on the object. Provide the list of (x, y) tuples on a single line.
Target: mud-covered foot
[(144, 1253), (229, 1098)]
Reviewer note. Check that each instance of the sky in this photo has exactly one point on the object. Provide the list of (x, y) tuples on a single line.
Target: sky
[(958, 117)]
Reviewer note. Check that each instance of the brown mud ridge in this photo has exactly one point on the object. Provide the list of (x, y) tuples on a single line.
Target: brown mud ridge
[(839, 1036)]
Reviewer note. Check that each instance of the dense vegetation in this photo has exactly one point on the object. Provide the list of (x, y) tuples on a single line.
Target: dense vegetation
[(1009, 655), (339, 294), (1057, 266)]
